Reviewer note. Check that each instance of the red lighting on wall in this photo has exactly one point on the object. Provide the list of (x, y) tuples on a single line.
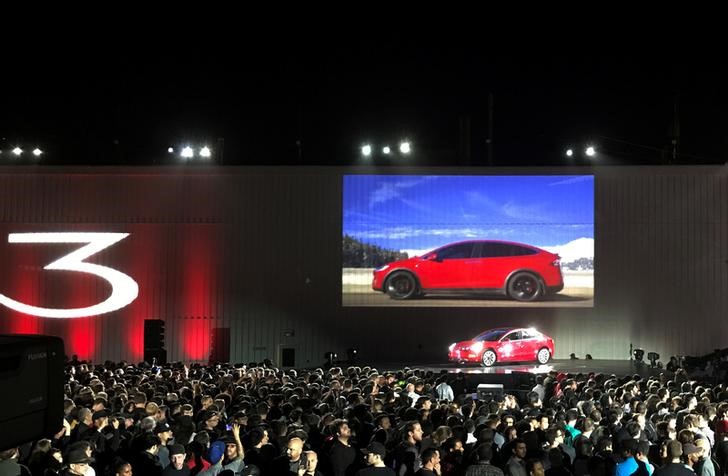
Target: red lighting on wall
[(80, 339), (200, 273), (25, 285)]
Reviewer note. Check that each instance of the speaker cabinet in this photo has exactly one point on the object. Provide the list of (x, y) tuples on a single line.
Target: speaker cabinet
[(31, 376), (490, 391)]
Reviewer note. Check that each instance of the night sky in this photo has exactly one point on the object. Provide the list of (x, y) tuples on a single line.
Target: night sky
[(314, 100)]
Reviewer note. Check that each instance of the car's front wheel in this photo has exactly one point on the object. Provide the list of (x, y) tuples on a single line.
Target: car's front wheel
[(524, 287), (401, 285), (489, 358), (543, 356)]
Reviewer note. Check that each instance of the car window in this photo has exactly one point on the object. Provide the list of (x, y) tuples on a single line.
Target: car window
[(514, 336), (459, 251), (492, 250), (491, 335), (515, 250), (488, 249)]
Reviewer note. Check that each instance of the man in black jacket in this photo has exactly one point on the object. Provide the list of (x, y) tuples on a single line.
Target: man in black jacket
[(341, 454), (177, 466)]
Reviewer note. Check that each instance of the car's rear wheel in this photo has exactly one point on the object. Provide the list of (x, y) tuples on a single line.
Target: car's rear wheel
[(524, 286), (401, 285), (489, 358), (543, 356)]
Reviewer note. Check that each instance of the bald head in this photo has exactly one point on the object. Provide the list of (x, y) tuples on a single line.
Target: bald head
[(294, 448)]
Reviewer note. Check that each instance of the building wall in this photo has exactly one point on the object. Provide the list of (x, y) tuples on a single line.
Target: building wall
[(258, 250)]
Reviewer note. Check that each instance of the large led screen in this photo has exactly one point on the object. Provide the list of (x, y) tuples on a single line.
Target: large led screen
[(481, 241)]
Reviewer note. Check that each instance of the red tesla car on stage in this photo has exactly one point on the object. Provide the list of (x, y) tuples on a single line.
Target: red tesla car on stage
[(521, 272), (506, 344)]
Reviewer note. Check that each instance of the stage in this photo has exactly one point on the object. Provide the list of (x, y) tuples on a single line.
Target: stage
[(520, 378), (571, 366)]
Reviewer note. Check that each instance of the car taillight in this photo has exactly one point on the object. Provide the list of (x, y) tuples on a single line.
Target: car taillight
[(556, 262)]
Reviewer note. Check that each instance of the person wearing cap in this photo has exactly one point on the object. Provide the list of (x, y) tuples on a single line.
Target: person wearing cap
[(692, 454), (210, 422), (375, 454), (78, 462), (164, 432), (177, 466), (241, 418), (105, 439), (234, 457), (86, 447), (214, 456)]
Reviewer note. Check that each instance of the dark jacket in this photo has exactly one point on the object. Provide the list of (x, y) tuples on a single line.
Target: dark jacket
[(146, 464)]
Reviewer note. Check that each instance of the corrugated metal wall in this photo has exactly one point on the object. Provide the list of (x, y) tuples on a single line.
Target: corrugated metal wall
[(258, 250)]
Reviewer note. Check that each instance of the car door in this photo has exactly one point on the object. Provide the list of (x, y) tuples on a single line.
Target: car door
[(490, 265), (510, 346), (532, 342), (447, 267)]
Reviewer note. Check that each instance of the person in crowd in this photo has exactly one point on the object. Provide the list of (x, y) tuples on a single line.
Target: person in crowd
[(177, 466), (407, 459), (341, 453), (310, 464), (674, 465), (290, 462), (173, 420), (430, 463), (375, 454), (482, 466)]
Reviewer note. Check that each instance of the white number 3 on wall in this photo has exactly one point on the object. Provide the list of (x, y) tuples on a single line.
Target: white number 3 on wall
[(124, 290)]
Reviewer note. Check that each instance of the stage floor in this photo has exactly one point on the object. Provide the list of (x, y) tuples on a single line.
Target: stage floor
[(617, 367)]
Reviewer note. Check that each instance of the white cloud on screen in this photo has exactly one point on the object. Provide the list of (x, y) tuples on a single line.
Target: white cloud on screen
[(405, 232), (569, 181), (390, 190)]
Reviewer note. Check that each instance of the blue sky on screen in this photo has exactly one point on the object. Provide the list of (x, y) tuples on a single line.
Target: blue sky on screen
[(408, 212)]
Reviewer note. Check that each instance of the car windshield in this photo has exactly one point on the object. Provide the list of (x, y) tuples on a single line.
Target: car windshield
[(491, 335)]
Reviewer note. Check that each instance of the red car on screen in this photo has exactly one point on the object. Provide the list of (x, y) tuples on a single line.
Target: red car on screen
[(506, 344), (518, 271)]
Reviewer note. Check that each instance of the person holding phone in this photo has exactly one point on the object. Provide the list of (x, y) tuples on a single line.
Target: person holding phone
[(309, 463), (234, 458)]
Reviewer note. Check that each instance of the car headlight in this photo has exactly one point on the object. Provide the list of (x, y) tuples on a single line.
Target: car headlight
[(381, 268), (477, 347), (452, 346)]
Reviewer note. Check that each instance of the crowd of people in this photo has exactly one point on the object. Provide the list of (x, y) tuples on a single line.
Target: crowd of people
[(228, 419)]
